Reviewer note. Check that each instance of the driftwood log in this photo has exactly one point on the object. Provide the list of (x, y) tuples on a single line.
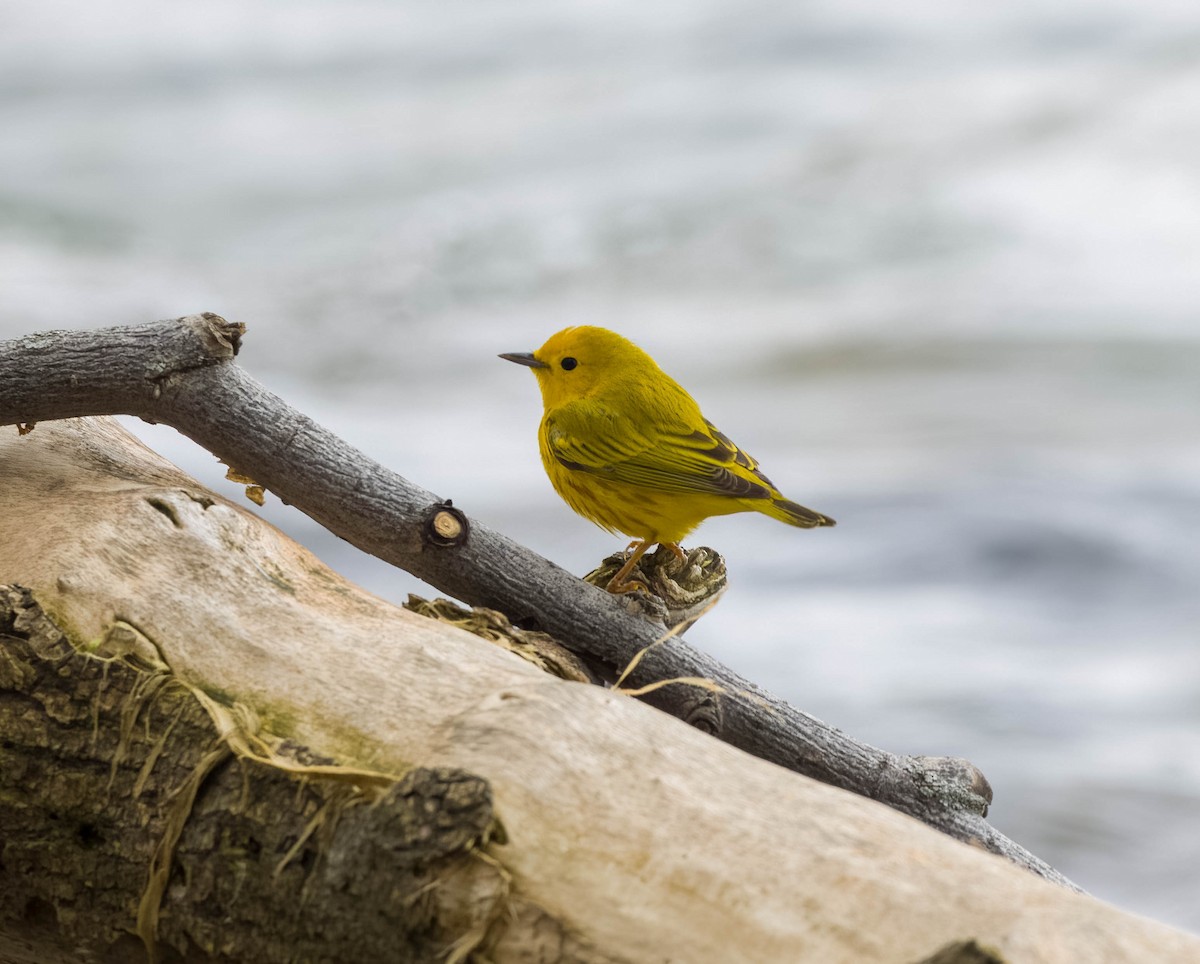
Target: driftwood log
[(153, 605)]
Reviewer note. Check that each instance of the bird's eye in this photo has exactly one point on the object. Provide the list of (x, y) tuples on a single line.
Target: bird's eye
[(568, 363)]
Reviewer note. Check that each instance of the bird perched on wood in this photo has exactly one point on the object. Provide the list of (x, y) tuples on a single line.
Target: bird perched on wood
[(628, 448)]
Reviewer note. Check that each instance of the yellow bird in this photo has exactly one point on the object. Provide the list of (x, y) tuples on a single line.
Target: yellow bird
[(627, 447)]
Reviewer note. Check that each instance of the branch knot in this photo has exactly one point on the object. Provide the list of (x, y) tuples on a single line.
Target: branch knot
[(445, 526)]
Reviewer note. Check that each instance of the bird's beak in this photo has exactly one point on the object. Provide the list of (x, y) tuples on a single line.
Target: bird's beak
[(524, 358)]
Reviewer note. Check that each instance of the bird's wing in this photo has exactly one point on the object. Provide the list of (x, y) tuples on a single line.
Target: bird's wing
[(671, 459)]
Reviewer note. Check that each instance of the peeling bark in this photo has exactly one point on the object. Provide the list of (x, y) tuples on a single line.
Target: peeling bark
[(129, 819)]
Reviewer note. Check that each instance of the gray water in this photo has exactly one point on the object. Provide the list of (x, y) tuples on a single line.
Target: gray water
[(935, 266)]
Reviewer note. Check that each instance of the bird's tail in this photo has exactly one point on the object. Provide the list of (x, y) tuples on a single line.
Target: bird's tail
[(795, 515)]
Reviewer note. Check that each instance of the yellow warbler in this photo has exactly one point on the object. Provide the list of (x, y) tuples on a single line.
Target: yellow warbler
[(627, 447)]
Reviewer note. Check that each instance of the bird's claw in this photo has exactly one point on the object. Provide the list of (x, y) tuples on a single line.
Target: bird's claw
[(628, 586)]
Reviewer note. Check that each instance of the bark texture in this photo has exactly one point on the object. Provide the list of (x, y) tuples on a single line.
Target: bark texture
[(133, 820)]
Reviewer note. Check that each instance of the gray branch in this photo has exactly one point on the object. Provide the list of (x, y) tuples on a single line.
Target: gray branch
[(179, 373)]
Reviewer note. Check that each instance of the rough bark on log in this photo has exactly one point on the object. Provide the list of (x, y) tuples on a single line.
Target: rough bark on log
[(179, 373), (642, 839), (117, 775)]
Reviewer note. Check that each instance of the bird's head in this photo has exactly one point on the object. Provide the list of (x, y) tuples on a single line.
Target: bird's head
[(585, 362)]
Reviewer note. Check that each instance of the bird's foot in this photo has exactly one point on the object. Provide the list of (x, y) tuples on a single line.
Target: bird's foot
[(676, 549), (621, 583), (628, 586), (669, 584)]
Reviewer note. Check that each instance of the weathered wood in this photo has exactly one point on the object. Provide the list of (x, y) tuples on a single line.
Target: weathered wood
[(179, 373), (115, 781), (628, 836)]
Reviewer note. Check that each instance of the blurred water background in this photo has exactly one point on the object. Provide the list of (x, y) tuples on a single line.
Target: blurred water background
[(936, 265)]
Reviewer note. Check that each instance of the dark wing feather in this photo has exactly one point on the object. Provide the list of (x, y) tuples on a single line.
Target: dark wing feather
[(703, 461)]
